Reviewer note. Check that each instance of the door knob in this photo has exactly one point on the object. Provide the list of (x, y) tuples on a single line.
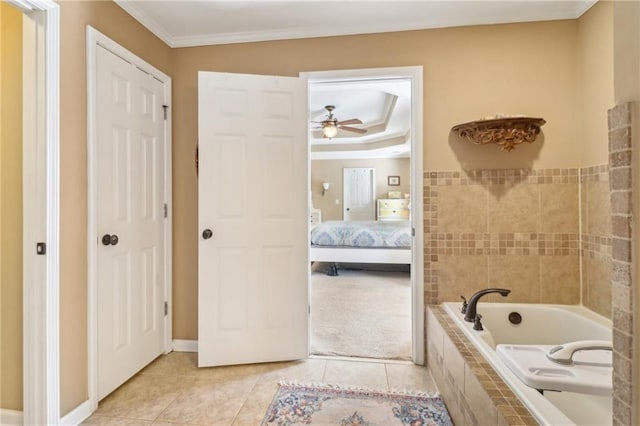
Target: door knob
[(110, 239), (348, 209), (207, 233)]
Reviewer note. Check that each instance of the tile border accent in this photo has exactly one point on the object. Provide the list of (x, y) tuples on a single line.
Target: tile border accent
[(620, 184), (595, 247), (534, 244), (594, 173), (501, 176)]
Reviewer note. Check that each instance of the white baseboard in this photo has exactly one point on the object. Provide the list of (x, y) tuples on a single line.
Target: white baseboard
[(77, 415), (10, 417), (185, 345)]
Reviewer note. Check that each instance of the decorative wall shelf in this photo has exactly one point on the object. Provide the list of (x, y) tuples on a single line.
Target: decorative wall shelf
[(506, 132)]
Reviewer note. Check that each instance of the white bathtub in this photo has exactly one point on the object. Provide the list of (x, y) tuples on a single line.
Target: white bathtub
[(545, 325)]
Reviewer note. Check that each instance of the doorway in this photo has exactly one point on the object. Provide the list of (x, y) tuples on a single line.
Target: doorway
[(239, 147), (397, 145), (33, 230)]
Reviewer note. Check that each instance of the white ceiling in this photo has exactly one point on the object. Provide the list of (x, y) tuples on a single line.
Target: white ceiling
[(383, 106), (182, 23)]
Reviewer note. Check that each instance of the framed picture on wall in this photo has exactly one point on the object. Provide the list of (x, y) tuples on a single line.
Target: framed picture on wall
[(393, 180)]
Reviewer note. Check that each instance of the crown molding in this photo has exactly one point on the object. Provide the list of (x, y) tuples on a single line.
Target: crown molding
[(582, 7), (148, 22), (302, 33), (286, 34)]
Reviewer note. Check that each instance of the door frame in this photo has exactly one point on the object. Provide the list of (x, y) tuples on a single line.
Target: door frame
[(41, 214), (414, 74), (95, 39)]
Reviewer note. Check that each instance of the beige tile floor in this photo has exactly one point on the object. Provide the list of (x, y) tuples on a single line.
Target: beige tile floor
[(173, 390)]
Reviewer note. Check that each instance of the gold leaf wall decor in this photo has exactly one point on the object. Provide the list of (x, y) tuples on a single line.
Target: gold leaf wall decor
[(506, 132)]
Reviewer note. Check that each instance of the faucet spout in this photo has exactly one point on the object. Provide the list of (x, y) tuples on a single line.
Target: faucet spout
[(471, 313)]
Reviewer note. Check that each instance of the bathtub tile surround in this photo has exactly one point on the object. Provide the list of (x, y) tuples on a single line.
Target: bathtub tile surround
[(504, 271), (555, 270), (596, 239), (545, 234), (472, 390), (483, 226), (455, 272), (620, 153)]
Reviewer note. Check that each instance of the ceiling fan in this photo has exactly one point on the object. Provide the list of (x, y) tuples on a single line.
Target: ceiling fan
[(331, 124)]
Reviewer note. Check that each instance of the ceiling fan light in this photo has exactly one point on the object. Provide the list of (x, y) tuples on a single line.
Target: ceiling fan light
[(330, 130)]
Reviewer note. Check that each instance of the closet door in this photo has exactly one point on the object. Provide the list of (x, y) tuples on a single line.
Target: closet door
[(130, 147), (252, 254), (359, 193)]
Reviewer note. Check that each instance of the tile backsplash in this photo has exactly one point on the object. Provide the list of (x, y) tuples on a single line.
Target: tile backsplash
[(596, 239), (520, 229)]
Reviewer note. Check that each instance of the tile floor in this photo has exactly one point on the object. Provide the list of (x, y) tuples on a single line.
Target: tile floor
[(172, 390)]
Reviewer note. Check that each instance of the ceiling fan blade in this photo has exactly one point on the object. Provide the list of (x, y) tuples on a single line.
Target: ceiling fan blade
[(352, 129), (351, 121)]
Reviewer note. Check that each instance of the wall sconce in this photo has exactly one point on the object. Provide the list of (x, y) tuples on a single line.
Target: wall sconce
[(325, 187)]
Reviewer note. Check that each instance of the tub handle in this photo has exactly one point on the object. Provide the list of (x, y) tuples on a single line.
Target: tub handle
[(464, 305), (477, 324), (563, 354)]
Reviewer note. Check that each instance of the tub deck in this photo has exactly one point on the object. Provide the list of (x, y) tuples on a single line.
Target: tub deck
[(472, 390)]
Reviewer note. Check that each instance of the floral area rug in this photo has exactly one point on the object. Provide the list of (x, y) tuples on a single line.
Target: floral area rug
[(296, 404)]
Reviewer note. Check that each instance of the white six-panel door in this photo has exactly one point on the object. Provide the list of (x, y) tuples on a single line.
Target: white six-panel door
[(252, 254), (130, 152), (359, 193)]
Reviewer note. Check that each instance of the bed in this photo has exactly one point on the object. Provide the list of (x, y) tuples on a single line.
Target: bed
[(361, 242)]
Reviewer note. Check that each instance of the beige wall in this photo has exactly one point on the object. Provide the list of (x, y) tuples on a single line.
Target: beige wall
[(595, 32), (112, 21), (11, 208), (469, 72), (331, 171), (626, 16)]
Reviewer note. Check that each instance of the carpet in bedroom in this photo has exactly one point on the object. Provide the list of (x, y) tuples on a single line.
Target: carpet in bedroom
[(364, 314)]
